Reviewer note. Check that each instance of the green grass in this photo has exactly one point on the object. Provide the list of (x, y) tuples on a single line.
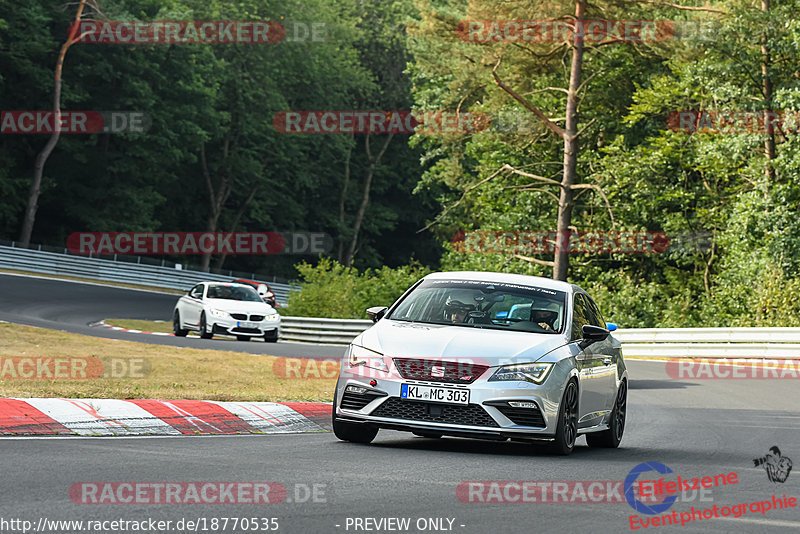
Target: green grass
[(171, 372)]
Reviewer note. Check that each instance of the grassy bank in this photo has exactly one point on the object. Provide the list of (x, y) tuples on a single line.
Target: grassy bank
[(164, 372)]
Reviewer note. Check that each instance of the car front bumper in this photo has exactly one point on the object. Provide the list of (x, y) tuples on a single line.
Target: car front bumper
[(233, 327), (488, 414)]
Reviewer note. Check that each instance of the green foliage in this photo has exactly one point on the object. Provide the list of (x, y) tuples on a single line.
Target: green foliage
[(332, 290)]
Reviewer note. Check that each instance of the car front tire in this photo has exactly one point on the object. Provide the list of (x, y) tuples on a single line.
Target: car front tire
[(353, 432), (567, 427), (271, 338), (204, 328), (609, 439), (176, 325)]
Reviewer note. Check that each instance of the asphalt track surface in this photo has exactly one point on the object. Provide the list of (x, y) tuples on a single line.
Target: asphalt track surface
[(696, 427), (75, 306)]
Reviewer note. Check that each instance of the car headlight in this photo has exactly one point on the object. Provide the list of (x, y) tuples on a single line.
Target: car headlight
[(360, 356), (218, 313), (272, 317), (529, 372)]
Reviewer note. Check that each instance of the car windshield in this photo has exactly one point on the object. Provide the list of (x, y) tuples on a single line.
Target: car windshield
[(230, 292), (477, 304)]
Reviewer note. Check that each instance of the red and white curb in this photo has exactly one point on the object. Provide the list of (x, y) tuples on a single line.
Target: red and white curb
[(132, 331), (138, 417)]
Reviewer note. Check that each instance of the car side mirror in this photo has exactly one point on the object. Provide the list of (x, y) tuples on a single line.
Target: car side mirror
[(376, 313), (592, 334), (611, 327)]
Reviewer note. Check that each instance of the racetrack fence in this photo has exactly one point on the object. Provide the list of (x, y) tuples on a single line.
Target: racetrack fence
[(776, 343), (773, 343), (127, 270)]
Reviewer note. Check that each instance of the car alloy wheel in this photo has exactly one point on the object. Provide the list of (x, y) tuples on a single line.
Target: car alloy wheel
[(610, 438), (567, 427), (176, 326), (204, 328)]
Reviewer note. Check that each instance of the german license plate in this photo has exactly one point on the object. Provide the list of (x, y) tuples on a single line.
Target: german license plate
[(434, 394), (246, 324)]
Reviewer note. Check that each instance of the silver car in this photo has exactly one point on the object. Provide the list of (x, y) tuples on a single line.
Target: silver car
[(485, 355)]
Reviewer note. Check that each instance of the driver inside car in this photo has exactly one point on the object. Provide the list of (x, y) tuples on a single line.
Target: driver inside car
[(545, 316), (456, 311)]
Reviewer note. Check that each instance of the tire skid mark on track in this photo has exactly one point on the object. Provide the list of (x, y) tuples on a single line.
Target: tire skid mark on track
[(148, 417)]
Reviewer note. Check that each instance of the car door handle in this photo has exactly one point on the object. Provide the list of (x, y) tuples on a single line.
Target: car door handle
[(607, 361)]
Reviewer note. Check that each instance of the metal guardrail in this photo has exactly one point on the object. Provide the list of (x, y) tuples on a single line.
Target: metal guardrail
[(710, 342), (326, 331), (39, 261), (636, 343)]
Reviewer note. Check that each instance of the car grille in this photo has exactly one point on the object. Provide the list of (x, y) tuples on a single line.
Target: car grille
[(242, 330), (452, 414), (239, 316), (523, 416), (256, 317), (356, 401), (439, 371)]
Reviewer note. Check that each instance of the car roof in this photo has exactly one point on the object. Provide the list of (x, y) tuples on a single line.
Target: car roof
[(228, 284), (508, 278), (250, 282)]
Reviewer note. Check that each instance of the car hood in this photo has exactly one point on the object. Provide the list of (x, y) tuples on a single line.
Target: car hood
[(444, 342), (227, 305)]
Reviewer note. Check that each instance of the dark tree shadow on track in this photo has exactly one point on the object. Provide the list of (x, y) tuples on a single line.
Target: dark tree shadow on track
[(660, 384)]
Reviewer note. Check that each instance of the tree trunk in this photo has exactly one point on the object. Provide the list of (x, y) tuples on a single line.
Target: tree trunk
[(342, 199), (221, 259), (216, 198), (373, 163), (769, 143), (565, 202), (41, 158)]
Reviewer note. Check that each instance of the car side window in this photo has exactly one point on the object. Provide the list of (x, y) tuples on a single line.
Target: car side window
[(197, 292), (597, 316), (580, 316)]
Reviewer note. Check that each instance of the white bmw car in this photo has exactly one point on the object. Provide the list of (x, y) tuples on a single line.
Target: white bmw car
[(226, 309), (486, 355)]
